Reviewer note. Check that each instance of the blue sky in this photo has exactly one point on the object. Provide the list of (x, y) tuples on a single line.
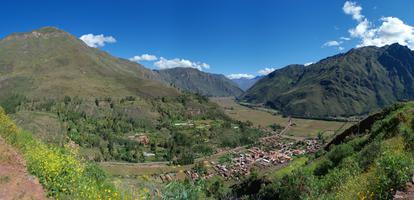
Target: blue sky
[(220, 36)]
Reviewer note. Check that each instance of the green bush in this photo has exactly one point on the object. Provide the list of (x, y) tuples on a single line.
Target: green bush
[(215, 187), (58, 170), (368, 154), (323, 167), (393, 172), (183, 191), (12, 102), (340, 152)]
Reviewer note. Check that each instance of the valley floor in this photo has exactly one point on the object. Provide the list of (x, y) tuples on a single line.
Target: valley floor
[(15, 181), (297, 130), (301, 128)]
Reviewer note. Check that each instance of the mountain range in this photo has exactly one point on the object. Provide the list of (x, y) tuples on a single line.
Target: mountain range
[(49, 62), (357, 82), (196, 81), (246, 83)]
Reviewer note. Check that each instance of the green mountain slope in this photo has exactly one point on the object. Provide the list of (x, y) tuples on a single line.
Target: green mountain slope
[(52, 63), (357, 82), (197, 81)]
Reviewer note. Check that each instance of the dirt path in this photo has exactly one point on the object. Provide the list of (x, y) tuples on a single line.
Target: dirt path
[(15, 181), (407, 194)]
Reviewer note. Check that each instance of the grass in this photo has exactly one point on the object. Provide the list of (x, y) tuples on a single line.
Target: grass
[(262, 118), (295, 164), (43, 125), (127, 169), (59, 64)]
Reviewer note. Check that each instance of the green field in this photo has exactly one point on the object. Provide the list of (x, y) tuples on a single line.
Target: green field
[(140, 169), (302, 127), (44, 126)]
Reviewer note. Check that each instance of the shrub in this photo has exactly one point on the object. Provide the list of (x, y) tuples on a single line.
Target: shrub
[(323, 167), (340, 152), (296, 186), (215, 187), (183, 191), (393, 172), (60, 173), (12, 102), (368, 154)]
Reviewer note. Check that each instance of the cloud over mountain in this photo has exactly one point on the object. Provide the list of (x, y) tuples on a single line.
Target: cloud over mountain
[(266, 71), (97, 40), (237, 76), (392, 29), (144, 57), (164, 63)]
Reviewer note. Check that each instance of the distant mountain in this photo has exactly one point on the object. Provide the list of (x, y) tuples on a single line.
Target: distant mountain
[(49, 62), (354, 83), (197, 81), (246, 83)]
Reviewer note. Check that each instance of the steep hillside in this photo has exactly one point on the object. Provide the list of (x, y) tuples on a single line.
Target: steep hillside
[(246, 83), (58, 169), (357, 82), (50, 62), (197, 81), (15, 181), (372, 163)]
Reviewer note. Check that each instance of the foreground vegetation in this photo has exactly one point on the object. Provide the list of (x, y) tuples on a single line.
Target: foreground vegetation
[(59, 171), (368, 166)]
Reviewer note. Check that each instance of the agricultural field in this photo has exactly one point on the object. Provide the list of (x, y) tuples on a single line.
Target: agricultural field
[(140, 169), (301, 128)]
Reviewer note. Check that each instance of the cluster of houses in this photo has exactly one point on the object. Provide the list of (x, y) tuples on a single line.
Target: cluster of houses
[(312, 145), (193, 175), (256, 157), (186, 174), (244, 160)]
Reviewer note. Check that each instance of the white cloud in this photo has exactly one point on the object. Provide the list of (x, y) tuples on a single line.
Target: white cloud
[(351, 8), (164, 63), (97, 40), (391, 30), (332, 43), (143, 57), (266, 71), (237, 76), (345, 38), (308, 63)]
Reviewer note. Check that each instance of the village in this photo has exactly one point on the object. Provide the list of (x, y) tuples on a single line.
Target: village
[(275, 150), (244, 160)]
